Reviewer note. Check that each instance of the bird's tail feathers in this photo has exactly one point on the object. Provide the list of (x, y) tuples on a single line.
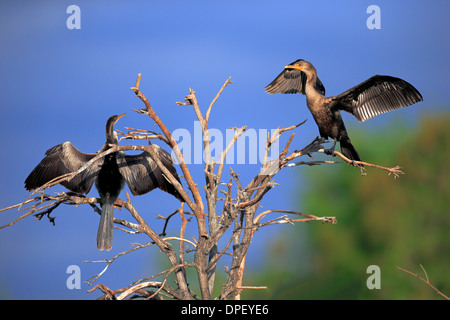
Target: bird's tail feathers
[(105, 228), (349, 150)]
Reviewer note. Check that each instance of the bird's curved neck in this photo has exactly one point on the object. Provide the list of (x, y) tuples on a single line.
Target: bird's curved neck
[(313, 97), (310, 87), (111, 136)]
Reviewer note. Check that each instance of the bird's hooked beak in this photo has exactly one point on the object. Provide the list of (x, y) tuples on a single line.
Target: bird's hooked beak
[(295, 66)]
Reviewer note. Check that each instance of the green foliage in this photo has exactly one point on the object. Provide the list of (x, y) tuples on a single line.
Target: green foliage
[(381, 221)]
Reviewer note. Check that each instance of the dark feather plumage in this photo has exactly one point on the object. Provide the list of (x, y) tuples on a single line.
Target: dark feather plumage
[(142, 175), (61, 159), (292, 81), (378, 94)]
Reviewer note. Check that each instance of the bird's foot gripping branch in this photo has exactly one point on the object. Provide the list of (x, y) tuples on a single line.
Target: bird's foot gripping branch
[(225, 226)]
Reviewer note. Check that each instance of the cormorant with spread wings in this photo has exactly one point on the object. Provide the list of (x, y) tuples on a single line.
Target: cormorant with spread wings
[(376, 95), (109, 173)]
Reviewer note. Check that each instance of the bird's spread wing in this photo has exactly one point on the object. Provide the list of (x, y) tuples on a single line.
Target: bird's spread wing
[(292, 81), (61, 159), (378, 94), (143, 175)]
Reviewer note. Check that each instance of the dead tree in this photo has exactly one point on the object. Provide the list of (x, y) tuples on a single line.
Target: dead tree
[(230, 206)]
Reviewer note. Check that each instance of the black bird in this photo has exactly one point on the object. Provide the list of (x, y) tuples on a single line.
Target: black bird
[(110, 173), (376, 95)]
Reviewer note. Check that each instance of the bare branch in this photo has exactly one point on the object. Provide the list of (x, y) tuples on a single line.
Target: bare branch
[(139, 134), (223, 154), (426, 281), (159, 285), (395, 171), (309, 217), (94, 278), (208, 112), (163, 245)]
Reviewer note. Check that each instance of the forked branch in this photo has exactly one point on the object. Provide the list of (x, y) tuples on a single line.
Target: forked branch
[(427, 281)]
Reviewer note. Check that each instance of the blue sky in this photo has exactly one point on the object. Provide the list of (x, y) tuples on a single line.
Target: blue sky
[(58, 84)]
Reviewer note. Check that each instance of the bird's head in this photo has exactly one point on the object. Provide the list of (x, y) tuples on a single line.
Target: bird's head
[(111, 135), (302, 65)]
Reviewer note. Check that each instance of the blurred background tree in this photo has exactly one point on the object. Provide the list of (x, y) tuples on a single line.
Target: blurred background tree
[(381, 221)]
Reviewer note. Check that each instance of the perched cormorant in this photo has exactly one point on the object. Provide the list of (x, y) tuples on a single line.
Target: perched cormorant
[(376, 95), (110, 173)]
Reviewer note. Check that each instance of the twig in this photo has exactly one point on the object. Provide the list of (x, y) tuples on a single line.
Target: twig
[(159, 285), (311, 163), (140, 134), (108, 293), (251, 287), (180, 239), (208, 112), (422, 279), (237, 135), (70, 199), (94, 278), (142, 285), (166, 220), (309, 217)]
